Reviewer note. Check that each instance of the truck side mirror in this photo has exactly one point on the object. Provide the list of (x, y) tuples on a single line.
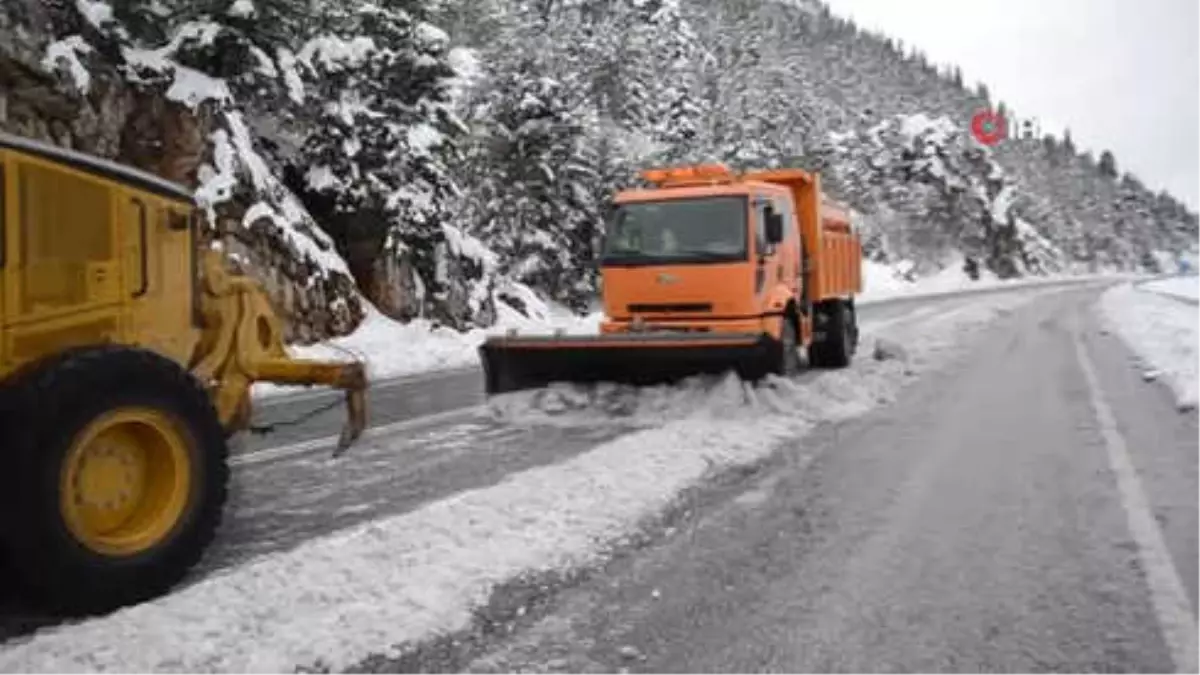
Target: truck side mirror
[(774, 223)]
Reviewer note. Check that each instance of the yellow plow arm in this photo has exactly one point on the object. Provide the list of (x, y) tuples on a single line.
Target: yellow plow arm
[(242, 343)]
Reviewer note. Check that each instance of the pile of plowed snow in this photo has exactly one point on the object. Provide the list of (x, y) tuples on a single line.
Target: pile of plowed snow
[(812, 395)]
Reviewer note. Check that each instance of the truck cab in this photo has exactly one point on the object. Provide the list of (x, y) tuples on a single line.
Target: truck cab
[(710, 258)]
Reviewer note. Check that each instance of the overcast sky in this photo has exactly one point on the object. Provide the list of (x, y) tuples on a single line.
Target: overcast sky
[(1121, 75)]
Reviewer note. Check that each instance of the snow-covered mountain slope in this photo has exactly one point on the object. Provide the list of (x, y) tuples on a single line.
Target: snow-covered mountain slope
[(774, 83), (439, 158)]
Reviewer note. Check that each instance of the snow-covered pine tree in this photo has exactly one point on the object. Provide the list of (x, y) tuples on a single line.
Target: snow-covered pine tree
[(148, 22), (679, 108), (536, 205), (375, 172), (1107, 165), (1068, 144)]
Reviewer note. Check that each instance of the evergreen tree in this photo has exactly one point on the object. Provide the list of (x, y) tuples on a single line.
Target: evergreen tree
[(147, 22), (1107, 165), (1068, 145), (535, 205), (376, 177)]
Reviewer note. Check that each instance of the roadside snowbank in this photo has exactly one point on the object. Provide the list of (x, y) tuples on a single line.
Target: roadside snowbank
[(1161, 331), (882, 282), (368, 590), (1185, 287), (394, 349)]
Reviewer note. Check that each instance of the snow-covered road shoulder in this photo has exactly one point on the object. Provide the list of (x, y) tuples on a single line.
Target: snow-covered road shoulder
[(1184, 287), (367, 591), (1161, 331)]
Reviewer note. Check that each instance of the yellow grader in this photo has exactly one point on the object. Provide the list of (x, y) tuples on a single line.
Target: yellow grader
[(127, 354)]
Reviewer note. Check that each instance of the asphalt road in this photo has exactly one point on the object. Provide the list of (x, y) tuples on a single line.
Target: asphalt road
[(430, 438), (400, 404), (1031, 509)]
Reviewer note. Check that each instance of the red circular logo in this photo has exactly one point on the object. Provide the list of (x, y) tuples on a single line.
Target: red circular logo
[(988, 127)]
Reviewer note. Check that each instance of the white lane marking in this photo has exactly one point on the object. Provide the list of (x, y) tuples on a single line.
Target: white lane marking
[(304, 447), (1166, 590)]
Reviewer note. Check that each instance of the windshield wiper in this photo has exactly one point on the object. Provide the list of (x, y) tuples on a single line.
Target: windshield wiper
[(628, 256), (707, 255)]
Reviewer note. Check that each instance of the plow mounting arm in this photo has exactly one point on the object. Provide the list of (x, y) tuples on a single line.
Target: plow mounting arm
[(242, 343)]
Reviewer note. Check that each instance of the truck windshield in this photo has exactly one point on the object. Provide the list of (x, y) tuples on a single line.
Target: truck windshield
[(677, 231)]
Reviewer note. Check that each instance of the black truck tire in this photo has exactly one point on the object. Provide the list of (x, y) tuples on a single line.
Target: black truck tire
[(116, 479), (836, 348), (785, 354)]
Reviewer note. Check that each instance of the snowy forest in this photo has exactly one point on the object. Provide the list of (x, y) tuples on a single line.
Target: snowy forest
[(435, 157)]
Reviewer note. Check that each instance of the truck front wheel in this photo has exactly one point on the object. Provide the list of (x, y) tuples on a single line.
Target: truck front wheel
[(785, 356)]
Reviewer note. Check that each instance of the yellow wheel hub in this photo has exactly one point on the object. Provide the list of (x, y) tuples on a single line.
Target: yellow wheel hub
[(126, 480)]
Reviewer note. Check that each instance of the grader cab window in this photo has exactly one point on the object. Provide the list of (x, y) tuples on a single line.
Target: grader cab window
[(62, 264)]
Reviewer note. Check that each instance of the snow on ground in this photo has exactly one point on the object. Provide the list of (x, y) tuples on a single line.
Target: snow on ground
[(1161, 331), (1186, 287), (368, 590), (882, 282), (394, 349)]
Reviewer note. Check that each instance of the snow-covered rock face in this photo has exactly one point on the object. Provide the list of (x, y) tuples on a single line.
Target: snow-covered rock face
[(132, 82), (233, 98)]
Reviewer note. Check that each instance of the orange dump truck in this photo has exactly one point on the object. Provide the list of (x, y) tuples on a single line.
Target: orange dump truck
[(704, 272)]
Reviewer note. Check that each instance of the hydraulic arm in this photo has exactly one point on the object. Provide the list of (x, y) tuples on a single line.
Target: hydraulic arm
[(242, 343)]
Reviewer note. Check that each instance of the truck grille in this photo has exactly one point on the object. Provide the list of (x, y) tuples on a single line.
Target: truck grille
[(682, 308)]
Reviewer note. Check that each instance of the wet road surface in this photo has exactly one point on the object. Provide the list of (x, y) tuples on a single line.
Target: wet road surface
[(1031, 509)]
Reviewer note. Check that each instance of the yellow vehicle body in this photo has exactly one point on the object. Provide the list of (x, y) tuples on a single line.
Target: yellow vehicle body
[(127, 354)]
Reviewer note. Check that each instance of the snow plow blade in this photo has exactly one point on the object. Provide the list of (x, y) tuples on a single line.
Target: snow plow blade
[(517, 363)]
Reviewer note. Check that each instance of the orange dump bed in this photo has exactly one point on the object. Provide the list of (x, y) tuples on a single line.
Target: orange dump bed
[(833, 246), (838, 259)]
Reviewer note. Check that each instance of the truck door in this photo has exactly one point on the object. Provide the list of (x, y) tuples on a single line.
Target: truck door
[(62, 286), (762, 249), (791, 261)]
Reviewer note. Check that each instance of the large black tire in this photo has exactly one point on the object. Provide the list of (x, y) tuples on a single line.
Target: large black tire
[(836, 348), (52, 404), (785, 355)]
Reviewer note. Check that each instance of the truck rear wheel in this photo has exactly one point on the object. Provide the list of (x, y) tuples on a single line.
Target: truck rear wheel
[(836, 348), (117, 481)]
